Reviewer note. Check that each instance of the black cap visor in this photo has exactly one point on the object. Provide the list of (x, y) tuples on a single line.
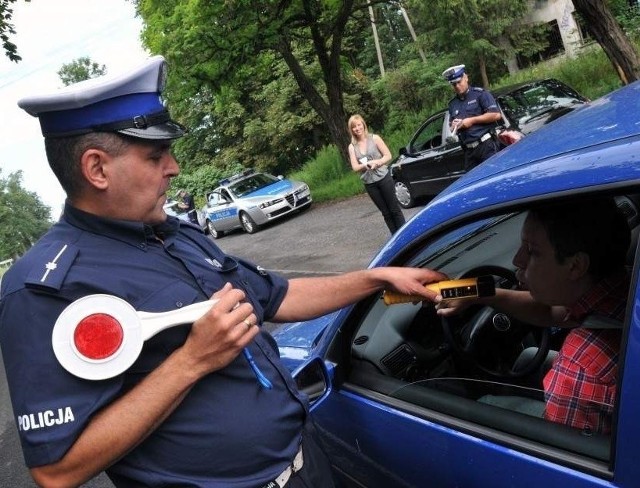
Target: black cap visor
[(158, 126), (166, 130)]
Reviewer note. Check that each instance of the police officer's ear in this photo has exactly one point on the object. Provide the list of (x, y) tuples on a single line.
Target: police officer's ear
[(94, 167)]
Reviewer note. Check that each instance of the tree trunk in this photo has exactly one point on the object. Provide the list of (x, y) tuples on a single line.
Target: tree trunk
[(331, 112), (328, 52), (606, 30), (482, 64)]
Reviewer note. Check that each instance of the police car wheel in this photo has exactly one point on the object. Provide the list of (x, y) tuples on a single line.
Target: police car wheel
[(248, 224), (403, 195), (213, 232)]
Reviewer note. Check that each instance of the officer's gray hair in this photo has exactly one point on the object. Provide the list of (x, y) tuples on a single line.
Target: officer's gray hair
[(64, 155)]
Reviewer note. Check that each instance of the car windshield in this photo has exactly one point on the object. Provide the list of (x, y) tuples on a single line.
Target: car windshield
[(251, 184), (534, 100)]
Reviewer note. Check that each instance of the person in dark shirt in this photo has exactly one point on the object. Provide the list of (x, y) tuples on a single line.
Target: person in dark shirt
[(186, 204), (473, 114), (192, 410)]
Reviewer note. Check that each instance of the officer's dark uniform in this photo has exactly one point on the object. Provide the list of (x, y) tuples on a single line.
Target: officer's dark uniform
[(229, 431), (478, 141), (188, 201)]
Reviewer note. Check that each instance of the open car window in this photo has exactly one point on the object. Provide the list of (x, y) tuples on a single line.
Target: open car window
[(481, 371), (430, 136)]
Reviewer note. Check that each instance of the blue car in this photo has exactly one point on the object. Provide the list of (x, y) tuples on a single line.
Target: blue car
[(396, 391)]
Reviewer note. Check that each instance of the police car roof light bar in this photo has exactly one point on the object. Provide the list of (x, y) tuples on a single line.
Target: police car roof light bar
[(229, 179)]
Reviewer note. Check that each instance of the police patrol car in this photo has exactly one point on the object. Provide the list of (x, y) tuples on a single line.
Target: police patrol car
[(250, 199)]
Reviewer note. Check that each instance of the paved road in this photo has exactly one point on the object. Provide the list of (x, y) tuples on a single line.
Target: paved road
[(326, 239)]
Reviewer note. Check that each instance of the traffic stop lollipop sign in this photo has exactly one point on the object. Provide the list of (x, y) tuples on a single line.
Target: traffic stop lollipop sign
[(100, 336)]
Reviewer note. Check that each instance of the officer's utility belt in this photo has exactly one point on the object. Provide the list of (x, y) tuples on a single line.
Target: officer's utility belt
[(283, 478), (476, 143)]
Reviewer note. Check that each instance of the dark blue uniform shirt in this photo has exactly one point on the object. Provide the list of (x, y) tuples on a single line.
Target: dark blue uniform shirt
[(476, 101), (228, 431)]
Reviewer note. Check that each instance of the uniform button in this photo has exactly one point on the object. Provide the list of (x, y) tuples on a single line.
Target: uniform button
[(178, 304), (142, 246)]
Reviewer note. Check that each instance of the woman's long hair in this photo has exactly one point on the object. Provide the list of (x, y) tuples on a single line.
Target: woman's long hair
[(352, 121)]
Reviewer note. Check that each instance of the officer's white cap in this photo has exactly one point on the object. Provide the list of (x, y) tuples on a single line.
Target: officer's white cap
[(128, 103), (454, 73)]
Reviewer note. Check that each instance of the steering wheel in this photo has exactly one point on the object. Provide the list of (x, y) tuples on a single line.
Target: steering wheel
[(486, 338)]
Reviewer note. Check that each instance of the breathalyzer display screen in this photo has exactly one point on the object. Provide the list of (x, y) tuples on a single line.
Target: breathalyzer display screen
[(459, 292)]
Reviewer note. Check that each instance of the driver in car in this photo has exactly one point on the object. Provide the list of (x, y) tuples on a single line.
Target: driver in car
[(571, 265)]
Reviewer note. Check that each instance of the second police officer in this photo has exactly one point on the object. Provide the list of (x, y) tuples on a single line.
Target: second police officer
[(473, 114)]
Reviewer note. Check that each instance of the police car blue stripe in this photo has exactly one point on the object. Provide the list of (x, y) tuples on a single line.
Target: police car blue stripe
[(223, 214), (278, 187)]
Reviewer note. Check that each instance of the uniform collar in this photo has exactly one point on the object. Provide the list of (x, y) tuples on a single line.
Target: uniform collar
[(133, 233), (464, 95)]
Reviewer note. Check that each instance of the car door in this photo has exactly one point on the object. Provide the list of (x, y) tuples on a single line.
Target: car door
[(221, 211), (394, 414), (431, 160)]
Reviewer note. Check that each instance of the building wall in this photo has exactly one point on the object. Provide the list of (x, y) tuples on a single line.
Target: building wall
[(562, 12)]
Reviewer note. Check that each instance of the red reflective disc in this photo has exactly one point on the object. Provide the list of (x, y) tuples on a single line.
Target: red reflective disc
[(98, 336)]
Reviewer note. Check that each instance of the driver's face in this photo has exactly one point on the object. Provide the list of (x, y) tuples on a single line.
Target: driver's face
[(538, 269)]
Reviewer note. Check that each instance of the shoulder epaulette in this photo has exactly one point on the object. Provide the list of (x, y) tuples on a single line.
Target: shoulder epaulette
[(51, 265)]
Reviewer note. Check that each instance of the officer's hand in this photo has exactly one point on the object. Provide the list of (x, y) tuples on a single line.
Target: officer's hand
[(411, 281), (221, 334), (464, 123)]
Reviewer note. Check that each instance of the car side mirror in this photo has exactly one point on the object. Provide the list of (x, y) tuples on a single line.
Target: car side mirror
[(313, 379)]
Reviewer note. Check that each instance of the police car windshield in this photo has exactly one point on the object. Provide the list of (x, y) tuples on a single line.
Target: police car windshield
[(252, 183)]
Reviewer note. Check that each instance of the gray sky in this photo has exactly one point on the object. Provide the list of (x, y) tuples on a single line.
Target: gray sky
[(50, 34)]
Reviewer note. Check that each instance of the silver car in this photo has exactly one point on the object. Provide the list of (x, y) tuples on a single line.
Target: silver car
[(249, 200)]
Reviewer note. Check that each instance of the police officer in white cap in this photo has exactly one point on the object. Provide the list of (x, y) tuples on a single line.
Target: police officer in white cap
[(191, 411), (473, 114)]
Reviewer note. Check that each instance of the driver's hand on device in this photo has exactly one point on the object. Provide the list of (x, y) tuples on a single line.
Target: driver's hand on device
[(447, 308)]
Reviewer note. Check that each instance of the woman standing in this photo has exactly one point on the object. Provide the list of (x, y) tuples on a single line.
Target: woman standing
[(369, 156)]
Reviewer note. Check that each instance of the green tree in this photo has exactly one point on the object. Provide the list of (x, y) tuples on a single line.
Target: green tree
[(80, 69), (605, 29), (221, 45), (23, 217), (478, 32), (7, 29)]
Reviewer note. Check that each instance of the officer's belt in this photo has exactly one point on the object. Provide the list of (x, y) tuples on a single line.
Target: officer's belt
[(476, 143), (283, 478)]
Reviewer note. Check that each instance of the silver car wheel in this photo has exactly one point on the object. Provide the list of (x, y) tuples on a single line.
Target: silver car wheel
[(403, 195), (248, 224), (213, 232)]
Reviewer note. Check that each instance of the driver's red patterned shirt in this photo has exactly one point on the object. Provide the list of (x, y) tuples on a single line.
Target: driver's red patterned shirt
[(580, 388)]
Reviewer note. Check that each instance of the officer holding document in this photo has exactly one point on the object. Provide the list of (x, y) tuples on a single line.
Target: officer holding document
[(473, 113)]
